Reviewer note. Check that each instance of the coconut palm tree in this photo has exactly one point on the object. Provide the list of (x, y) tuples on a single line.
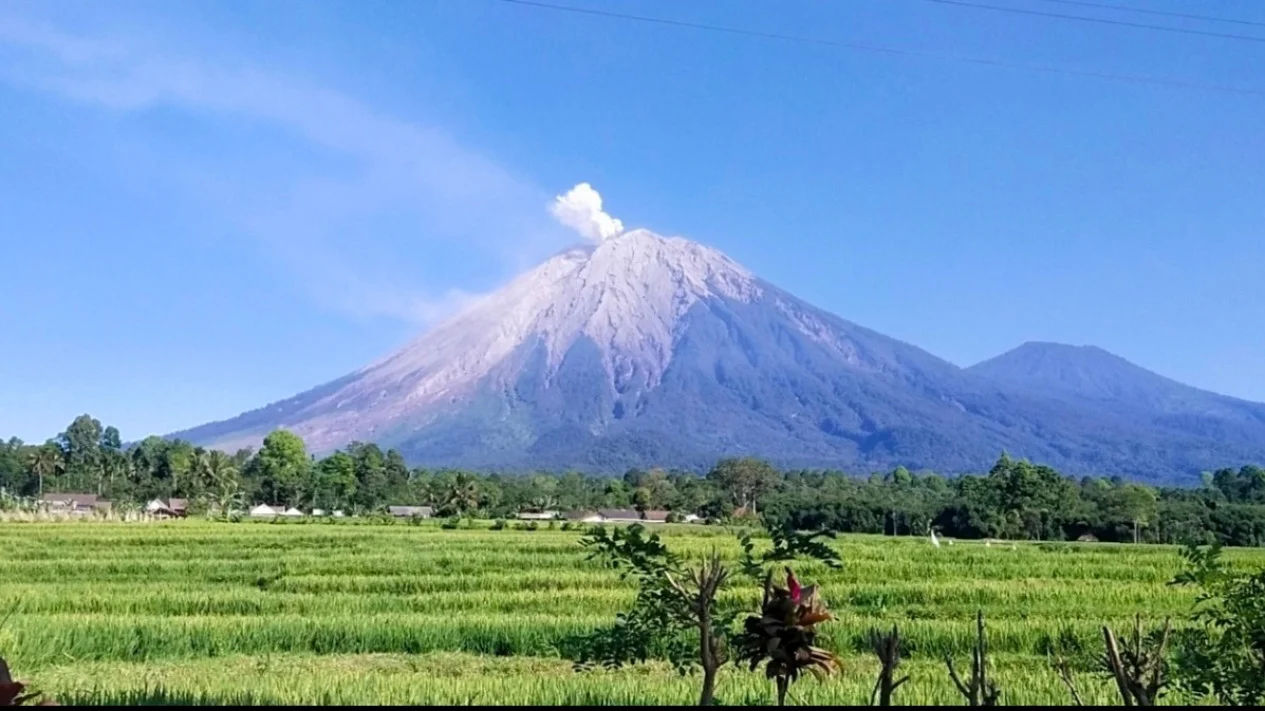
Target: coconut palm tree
[(220, 480), (46, 461), (115, 466), (462, 494)]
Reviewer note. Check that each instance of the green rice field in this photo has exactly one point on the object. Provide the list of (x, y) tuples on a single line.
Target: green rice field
[(202, 612)]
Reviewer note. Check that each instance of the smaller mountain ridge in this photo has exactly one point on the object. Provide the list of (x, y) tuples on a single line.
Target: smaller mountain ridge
[(1079, 371), (1087, 372), (1091, 376)]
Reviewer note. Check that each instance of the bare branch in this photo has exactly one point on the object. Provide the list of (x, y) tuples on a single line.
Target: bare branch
[(957, 680), (1065, 673)]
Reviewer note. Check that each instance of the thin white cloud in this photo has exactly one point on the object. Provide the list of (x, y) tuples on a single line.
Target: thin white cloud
[(581, 210), (458, 195), (375, 299)]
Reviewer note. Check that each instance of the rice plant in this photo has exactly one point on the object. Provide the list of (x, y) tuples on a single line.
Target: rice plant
[(213, 612)]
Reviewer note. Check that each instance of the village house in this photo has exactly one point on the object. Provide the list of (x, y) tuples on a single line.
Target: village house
[(617, 516), (266, 511), (75, 504), (620, 515), (171, 508), (411, 511), (584, 516), (537, 515)]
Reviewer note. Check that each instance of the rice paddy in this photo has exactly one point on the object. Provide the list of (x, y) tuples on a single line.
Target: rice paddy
[(205, 612)]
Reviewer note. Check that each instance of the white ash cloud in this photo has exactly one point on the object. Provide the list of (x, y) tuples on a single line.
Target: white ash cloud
[(581, 210)]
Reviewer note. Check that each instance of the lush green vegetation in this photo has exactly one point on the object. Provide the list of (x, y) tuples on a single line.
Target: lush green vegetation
[(1014, 500), (359, 612)]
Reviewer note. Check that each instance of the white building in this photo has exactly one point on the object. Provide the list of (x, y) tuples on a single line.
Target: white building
[(264, 510), (617, 516), (538, 515), (411, 511), (170, 507)]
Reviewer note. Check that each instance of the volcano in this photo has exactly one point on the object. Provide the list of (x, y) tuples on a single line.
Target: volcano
[(647, 350)]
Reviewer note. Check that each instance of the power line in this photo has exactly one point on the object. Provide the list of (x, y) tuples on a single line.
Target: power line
[(864, 47), (694, 25), (1165, 13), (1098, 20)]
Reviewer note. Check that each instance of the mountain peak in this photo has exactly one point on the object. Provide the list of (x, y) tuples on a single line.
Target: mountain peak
[(1065, 349), (619, 302), (640, 261)]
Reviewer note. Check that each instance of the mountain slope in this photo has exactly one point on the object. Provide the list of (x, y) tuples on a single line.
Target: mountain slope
[(647, 350), (1091, 377)]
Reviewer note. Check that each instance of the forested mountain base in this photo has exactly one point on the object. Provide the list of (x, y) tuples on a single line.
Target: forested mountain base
[(1014, 500)]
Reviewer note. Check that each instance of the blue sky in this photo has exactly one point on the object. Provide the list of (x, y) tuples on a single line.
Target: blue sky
[(208, 206)]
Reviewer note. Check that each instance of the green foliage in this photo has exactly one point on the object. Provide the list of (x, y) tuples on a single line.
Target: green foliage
[(1246, 485), (788, 544), (46, 462), (336, 482), (745, 480), (1016, 499), (220, 484), (81, 443), (1204, 567), (630, 551), (371, 476), (651, 625), (1225, 654), (461, 495), (281, 468), (665, 620)]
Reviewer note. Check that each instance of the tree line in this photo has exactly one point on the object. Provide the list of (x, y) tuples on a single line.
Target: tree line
[(1015, 499)]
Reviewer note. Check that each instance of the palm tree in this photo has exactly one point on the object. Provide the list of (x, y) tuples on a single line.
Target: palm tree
[(46, 461), (200, 468), (220, 478), (220, 466), (463, 494), (114, 465)]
